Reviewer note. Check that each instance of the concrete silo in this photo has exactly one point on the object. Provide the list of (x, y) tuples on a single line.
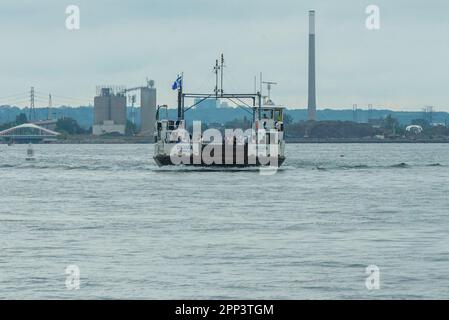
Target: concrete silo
[(148, 109), (109, 112)]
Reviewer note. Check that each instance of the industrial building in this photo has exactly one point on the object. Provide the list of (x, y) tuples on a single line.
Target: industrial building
[(148, 109), (109, 112)]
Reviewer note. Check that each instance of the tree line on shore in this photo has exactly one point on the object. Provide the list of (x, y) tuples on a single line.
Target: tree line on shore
[(388, 127)]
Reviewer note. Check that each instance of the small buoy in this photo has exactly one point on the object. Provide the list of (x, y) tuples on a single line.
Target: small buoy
[(30, 153)]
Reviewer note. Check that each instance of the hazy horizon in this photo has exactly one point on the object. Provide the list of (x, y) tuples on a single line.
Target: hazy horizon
[(399, 67)]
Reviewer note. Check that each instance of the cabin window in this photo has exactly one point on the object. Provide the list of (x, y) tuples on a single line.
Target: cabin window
[(278, 115)]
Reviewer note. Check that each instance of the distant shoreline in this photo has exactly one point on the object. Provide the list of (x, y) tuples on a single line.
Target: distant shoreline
[(293, 140), (88, 139)]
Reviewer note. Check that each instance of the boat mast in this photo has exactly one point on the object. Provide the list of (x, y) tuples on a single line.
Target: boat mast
[(219, 94), (180, 99), (260, 98), (222, 69), (216, 68), (219, 67)]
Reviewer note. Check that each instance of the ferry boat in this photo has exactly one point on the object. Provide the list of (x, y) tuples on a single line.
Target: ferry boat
[(262, 145)]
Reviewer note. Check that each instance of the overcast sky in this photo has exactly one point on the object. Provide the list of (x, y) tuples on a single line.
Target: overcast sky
[(404, 65)]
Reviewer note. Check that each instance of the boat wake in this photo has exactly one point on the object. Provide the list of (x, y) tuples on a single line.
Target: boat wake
[(177, 169), (333, 166)]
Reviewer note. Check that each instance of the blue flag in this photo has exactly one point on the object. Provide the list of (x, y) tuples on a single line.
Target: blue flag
[(177, 84)]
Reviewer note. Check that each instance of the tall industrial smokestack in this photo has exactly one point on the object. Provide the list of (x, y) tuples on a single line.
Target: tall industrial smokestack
[(312, 90)]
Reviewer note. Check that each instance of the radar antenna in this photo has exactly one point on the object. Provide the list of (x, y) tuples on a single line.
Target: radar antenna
[(269, 84), (219, 67)]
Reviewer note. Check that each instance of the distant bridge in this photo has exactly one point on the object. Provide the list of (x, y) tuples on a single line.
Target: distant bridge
[(28, 132)]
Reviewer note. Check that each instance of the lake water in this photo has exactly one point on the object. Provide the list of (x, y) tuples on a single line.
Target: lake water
[(307, 232)]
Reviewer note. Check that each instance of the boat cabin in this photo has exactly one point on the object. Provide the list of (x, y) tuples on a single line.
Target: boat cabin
[(272, 118), (165, 128)]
